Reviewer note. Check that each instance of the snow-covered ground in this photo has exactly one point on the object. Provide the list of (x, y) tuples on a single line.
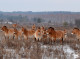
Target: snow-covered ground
[(47, 52)]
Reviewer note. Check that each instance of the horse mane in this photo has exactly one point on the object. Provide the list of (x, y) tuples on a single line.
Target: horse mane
[(76, 28), (5, 26), (51, 28), (38, 28)]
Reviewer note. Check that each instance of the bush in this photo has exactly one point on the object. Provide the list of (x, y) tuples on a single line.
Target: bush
[(65, 24)]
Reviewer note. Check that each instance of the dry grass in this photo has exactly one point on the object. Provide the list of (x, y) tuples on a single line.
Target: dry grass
[(37, 50)]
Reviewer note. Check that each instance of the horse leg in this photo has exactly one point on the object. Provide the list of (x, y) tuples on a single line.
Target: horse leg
[(45, 40), (13, 37), (54, 39), (27, 37), (78, 39), (50, 40), (5, 37), (34, 38), (62, 40), (17, 37), (8, 37), (38, 39)]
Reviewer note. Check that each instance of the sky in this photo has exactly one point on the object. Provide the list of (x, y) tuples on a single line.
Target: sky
[(40, 5)]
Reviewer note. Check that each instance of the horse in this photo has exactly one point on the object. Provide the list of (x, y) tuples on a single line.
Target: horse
[(55, 34), (76, 31), (8, 32)]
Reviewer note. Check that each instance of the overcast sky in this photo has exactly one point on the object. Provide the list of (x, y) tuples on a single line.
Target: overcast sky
[(40, 5)]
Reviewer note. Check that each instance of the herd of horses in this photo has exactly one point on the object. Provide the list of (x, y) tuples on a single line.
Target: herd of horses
[(38, 34)]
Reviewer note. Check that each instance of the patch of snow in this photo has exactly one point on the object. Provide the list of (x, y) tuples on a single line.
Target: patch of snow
[(70, 52)]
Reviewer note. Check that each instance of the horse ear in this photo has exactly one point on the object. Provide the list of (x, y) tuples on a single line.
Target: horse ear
[(51, 28), (64, 30)]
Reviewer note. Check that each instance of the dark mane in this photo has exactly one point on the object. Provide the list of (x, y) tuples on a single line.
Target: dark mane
[(5, 26), (38, 28), (76, 28), (51, 28)]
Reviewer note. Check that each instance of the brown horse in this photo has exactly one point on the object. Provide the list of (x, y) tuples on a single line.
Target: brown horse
[(14, 25), (8, 32), (17, 33), (55, 34), (38, 34), (28, 33)]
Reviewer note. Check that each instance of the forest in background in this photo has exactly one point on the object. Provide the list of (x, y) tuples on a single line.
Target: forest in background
[(56, 17)]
